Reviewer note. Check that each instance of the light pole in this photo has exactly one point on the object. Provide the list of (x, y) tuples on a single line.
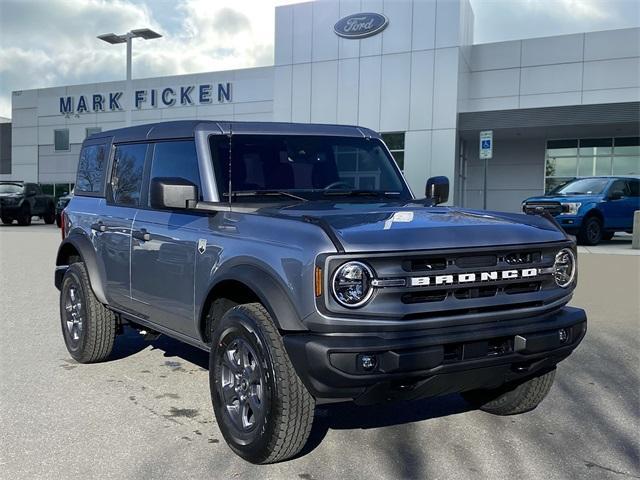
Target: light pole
[(127, 38)]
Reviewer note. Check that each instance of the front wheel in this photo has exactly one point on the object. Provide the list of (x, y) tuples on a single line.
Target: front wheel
[(7, 220), (263, 409), (24, 217), (512, 398), (591, 231)]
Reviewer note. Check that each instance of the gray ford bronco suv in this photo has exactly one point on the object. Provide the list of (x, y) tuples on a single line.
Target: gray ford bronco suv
[(298, 257)]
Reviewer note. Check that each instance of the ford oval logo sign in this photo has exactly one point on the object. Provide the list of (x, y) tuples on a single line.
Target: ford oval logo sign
[(360, 25)]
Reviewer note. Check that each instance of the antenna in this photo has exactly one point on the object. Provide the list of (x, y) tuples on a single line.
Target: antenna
[(230, 134)]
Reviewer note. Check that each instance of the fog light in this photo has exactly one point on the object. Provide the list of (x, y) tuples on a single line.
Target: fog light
[(368, 362), (563, 335)]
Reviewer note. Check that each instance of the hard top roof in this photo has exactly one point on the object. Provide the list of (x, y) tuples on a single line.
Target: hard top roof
[(632, 176), (188, 128)]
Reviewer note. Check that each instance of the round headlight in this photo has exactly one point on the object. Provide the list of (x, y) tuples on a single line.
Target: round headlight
[(564, 268), (351, 284)]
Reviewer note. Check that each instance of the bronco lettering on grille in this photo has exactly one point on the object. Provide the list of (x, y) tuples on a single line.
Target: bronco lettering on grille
[(462, 278)]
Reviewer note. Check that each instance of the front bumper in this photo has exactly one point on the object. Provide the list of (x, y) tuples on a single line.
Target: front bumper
[(569, 223), (10, 210), (437, 362)]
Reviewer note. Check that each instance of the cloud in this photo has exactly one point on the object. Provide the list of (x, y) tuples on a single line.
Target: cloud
[(499, 20), (46, 43), (49, 43), (230, 22), (576, 9)]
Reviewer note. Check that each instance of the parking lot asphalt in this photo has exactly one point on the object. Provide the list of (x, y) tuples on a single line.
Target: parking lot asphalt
[(146, 413)]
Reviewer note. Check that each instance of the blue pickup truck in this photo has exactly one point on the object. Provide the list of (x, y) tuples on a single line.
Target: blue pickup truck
[(593, 208)]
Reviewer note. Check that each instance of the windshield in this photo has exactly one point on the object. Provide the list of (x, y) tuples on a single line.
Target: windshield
[(10, 188), (298, 167), (583, 186)]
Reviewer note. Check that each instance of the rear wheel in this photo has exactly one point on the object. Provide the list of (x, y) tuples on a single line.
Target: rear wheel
[(512, 398), (7, 220), (263, 409), (89, 329), (50, 216), (24, 218), (591, 231)]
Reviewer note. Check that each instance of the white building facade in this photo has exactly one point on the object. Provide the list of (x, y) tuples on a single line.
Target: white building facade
[(558, 107)]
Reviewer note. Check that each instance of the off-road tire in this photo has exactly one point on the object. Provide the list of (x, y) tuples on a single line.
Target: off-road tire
[(24, 217), (591, 231), (50, 215), (7, 220), (289, 408), (98, 323), (513, 398)]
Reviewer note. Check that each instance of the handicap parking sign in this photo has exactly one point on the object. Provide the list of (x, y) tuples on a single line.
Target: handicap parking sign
[(486, 144)]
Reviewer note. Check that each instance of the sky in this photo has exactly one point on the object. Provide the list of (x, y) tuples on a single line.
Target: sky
[(46, 43)]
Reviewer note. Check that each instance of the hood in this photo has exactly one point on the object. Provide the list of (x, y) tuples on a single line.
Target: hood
[(393, 227), (565, 198)]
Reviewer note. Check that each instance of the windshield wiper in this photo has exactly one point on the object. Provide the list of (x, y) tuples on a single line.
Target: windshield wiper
[(355, 193), (270, 193)]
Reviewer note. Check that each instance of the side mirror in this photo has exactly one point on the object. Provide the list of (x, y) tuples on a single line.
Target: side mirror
[(172, 192), (437, 189), (616, 195)]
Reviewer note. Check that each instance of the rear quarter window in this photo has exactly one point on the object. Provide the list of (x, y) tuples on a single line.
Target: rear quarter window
[(91, 169)]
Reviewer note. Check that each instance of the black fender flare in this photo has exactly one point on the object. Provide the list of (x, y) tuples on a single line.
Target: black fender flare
[(268, 290), (81, 243)]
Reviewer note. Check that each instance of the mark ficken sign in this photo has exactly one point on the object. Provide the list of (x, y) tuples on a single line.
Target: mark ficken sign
[(203, 94)]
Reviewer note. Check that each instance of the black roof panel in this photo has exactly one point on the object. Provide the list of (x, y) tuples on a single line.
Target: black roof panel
[(187, 129)]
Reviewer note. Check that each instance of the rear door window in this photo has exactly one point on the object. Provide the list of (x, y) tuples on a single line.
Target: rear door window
[(91, 168), (620, 186), (127, 174)]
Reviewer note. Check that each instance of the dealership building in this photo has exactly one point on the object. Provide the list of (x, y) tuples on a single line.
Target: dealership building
[(558, 107)]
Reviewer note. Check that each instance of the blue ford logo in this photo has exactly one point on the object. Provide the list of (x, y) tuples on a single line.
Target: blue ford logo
[(360, 25)]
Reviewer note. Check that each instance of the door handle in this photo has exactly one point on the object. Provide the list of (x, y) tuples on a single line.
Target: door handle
[(141, 235), (99, 227)]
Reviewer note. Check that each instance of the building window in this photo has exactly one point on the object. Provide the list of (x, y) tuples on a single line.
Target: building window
[(61, 139), (395, 142), (588, 157), (61, 189), (91, 130), (47, 188)]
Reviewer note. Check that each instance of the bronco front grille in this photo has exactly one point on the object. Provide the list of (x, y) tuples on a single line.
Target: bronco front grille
[(414, 285)]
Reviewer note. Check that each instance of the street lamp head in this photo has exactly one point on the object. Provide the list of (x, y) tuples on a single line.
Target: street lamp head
[(113, 38), (145, 33)]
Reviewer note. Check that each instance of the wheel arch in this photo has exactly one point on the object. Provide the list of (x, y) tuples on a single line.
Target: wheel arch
[(594, 212), (246, 284), (77, 247)]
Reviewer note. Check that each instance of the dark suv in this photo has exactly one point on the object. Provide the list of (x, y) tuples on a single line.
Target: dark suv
[(22, 200), (299, 258)]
